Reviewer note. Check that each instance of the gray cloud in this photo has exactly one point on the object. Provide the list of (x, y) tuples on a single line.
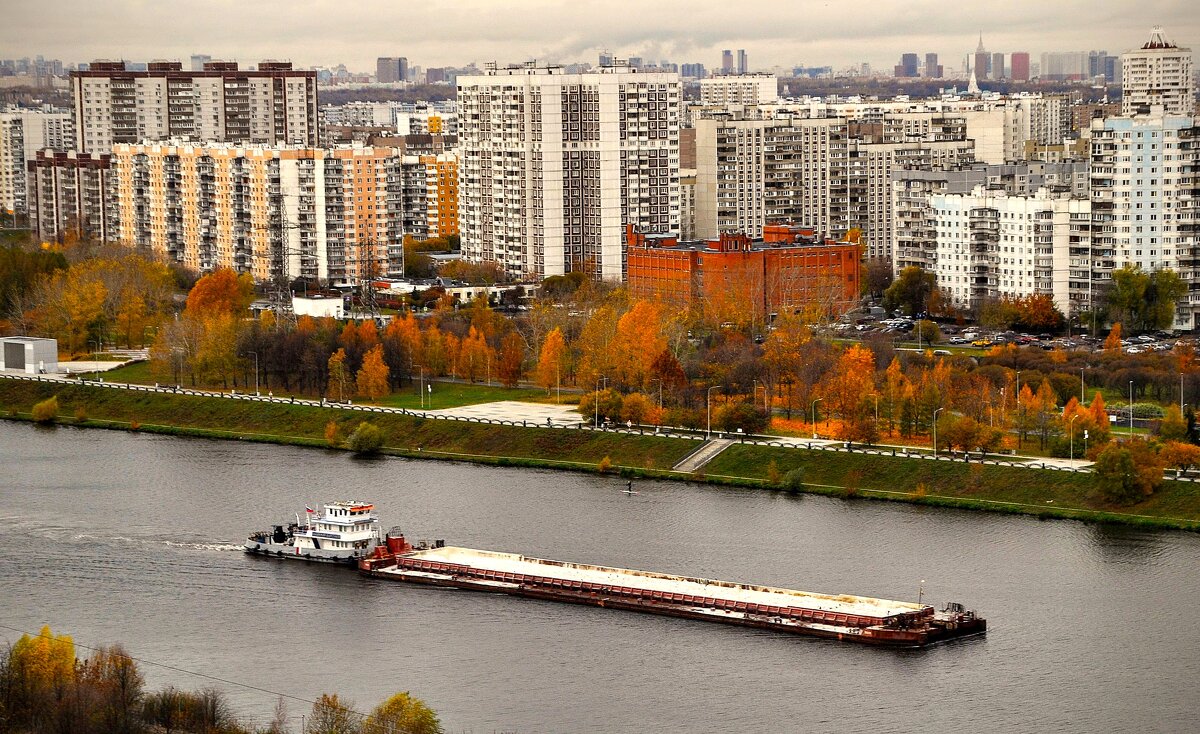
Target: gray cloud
[(774, 32)]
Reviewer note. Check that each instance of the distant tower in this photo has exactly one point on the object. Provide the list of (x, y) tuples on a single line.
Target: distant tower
[(727, 62), (982, 60), (1159, 73), (743, 62), (973, 85)]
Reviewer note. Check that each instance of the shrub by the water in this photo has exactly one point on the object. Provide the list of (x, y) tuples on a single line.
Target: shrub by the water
[(793, 481), (366, 439), (46, 411)]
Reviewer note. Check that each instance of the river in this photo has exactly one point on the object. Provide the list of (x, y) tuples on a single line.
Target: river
[(119, 537)]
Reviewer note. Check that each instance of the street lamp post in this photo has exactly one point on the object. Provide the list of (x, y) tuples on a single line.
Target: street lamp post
[(1131, 409), (255, 371), (1018, 394), (708, 402), (876, 396), (814, 415), (1071, 423), (939, 410), (1081, 387), (597, 400), (1181, 393)]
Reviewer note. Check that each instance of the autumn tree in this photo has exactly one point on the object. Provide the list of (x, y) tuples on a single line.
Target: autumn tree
[(372, 378), (845, 391), (1172, 427), (1128, 472), (402, 714), (338, 375), (595, 357), (332, 715), (221, 291), (636, 408), (637, 341), (1180, 455), (1112, 343), (510, 359), (550, 361)]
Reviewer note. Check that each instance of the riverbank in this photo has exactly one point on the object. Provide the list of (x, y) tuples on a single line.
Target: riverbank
[(949, 484)]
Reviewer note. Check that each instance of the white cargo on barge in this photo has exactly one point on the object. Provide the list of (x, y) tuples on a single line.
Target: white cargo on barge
[(766, 596)]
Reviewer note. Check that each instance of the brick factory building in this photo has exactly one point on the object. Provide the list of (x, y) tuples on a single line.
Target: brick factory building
[(736, 279)]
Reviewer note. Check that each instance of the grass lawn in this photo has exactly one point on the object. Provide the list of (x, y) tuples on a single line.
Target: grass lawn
[(455, 394)]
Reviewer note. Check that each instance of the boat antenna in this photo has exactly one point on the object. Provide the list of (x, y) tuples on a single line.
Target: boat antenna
[(920, 592)]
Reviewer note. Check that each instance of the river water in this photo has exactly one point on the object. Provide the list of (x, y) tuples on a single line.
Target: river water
[(111, 536)]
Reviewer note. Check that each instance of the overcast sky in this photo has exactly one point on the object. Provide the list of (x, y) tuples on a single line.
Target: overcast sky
[(436, 33)]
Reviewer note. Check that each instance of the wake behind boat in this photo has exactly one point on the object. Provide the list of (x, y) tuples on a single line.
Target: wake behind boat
[(343, 533)]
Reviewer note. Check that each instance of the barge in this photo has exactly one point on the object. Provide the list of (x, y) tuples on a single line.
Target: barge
[(841, 617)]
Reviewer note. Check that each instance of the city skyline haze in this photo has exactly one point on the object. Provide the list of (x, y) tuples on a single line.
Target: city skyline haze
[(774, 33)]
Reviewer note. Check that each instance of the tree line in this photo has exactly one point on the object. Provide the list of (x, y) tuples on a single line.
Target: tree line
[(46, 689)]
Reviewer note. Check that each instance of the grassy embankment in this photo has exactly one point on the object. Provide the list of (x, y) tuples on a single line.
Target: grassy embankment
[(972, 486), (305, 425), (443, 395)]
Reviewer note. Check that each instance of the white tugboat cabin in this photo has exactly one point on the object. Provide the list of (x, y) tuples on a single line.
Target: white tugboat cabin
[(342, 532)]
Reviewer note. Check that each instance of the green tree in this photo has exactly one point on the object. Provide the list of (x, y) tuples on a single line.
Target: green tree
[(366, 439), (403, 714), (910, 292), (1129, 472)]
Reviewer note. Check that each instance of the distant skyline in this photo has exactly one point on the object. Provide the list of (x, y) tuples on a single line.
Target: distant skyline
[(773, 32)]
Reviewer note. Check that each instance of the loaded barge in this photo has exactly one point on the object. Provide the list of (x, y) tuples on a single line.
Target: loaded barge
[(843, 617)]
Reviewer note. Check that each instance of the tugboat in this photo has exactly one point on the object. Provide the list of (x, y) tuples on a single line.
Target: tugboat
[(343, 533)]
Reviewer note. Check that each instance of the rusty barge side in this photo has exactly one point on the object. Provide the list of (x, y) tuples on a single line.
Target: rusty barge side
[(858, 619)]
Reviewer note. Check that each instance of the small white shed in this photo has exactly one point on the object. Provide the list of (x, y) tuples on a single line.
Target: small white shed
[(29, 354)]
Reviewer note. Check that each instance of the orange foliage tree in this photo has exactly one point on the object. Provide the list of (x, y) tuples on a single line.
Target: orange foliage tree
[(846, 390), (510, 359), (372, 378), (550, 362)]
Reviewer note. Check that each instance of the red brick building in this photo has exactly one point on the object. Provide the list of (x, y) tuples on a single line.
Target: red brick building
[(739, 280)]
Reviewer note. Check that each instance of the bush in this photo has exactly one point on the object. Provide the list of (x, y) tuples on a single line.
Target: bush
[(46, 411), (793, 481), (1128, 473), (605, 465), (80, 414), (774, 476), (733, 416), (332, 434), (366, 439)]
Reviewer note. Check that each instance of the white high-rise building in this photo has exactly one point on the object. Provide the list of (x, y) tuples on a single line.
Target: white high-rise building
[(737, 90), (1158, 74), (1145, 176), (991, 245), (274, 105), (23, 132), (825, 173), (554, 165)]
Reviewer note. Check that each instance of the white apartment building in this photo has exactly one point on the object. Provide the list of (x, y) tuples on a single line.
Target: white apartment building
[(998, 125), (554, 165), (71, 194), (914, 240), (273, 105), (404, 118), (1145, 176), (738, 90), (333, 214), (752, 170), (23, 132), (991, 245), (1158, 74), (824, 173)]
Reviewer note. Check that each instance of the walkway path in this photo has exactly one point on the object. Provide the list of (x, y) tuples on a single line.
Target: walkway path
[(701, 456)]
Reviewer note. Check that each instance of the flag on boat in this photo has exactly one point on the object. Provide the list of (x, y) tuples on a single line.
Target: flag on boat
[(308, 509)]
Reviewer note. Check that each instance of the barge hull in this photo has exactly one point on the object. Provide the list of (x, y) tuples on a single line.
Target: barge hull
[(917, 633)]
